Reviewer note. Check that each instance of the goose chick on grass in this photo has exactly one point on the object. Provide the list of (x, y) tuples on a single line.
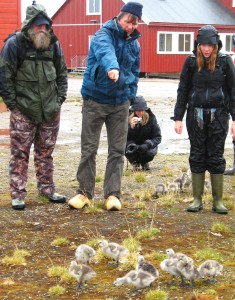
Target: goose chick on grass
[(188, 271), (160, 189), (210, 268), (84, 253), (81, 272), (139, 279), (146, 266), (169, 265), (113, 250)]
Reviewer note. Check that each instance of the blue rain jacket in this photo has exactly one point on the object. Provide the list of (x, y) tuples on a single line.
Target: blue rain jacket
[(111, 49)]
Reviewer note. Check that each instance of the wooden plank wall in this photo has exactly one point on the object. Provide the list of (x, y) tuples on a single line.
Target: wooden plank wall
[(10, 17)]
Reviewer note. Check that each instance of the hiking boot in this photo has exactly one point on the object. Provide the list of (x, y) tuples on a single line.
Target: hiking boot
[(18, 204), (112, 203), (55, 198), (146, 167), (79, 201)]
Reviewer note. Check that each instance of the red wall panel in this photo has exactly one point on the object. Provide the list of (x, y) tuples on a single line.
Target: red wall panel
[(10, 17)]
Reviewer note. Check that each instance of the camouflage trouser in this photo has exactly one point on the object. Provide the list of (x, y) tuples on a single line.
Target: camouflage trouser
[(23, 133)]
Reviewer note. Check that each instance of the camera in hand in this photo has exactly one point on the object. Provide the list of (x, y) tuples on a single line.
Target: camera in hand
[(139, 120)]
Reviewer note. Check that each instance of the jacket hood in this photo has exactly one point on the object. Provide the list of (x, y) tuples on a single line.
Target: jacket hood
[(32, 12)]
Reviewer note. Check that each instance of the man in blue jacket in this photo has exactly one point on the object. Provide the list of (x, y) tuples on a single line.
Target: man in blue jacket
[(109, 87)]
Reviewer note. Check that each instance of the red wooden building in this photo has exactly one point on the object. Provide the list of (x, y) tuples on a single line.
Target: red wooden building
[(168, 28), (10, 18)]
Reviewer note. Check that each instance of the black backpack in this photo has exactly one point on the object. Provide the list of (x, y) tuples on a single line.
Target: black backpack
[(22, 52)]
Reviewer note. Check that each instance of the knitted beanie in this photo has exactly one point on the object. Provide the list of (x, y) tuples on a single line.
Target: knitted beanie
[(133, 8), (139, 104)]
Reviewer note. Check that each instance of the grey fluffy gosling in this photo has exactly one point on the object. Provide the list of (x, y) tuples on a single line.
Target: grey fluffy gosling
[(210, 268), (169, 265), (113, 250), (84, 254), (146, 266), (160, 189), (140, 279), (187, 270), (81, 272)]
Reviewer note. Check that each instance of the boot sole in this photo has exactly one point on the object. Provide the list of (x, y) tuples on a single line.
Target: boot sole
[(220, 212), (194, 210)]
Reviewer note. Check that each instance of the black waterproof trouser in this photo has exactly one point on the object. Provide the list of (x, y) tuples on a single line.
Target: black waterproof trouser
[(207, 142)]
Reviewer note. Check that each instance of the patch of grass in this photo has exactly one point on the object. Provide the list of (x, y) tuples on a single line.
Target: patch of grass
[(67, 278), (56, 290), (98, 178), (156, 295), (129, 262), (147, 233), (167, 172), (140, 204), (211, 292), (17, 259), (20, 222), (93, 242), (56, 271), (95, 207), (230, 204), (140, 177), (127, 173), (60, 241), (220, 228), (144, 213), (208, 253), (158, 256), (132, 244), (43, 199), (99, 257), (226, 197), (166, 201)]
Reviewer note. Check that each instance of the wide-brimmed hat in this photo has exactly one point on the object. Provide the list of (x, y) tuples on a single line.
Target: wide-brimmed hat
[(139, 104), (133, 8)]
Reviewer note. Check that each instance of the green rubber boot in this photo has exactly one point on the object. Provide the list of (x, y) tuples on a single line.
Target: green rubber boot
[(217, 185), (198, 180)]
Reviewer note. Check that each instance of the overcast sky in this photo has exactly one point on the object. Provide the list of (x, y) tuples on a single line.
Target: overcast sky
[(50, 5)]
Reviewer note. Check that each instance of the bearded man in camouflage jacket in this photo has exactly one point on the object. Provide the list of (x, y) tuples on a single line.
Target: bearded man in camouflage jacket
[(33, 85)]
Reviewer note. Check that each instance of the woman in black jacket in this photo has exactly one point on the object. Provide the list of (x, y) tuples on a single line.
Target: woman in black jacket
[(207, 91), (144, 135)]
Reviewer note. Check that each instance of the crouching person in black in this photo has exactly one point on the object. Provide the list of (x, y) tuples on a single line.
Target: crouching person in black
[(144, 135)]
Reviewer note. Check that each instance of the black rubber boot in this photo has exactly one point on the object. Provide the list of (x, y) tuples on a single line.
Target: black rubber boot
[(198, 189), (217, 185)]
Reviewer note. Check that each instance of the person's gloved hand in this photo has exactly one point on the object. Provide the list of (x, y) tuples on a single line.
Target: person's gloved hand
[(143, 148), (131, 148)]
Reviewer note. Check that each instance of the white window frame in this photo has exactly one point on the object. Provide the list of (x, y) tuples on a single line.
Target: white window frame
[(88, 6), (223, 40), (175, 42)]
